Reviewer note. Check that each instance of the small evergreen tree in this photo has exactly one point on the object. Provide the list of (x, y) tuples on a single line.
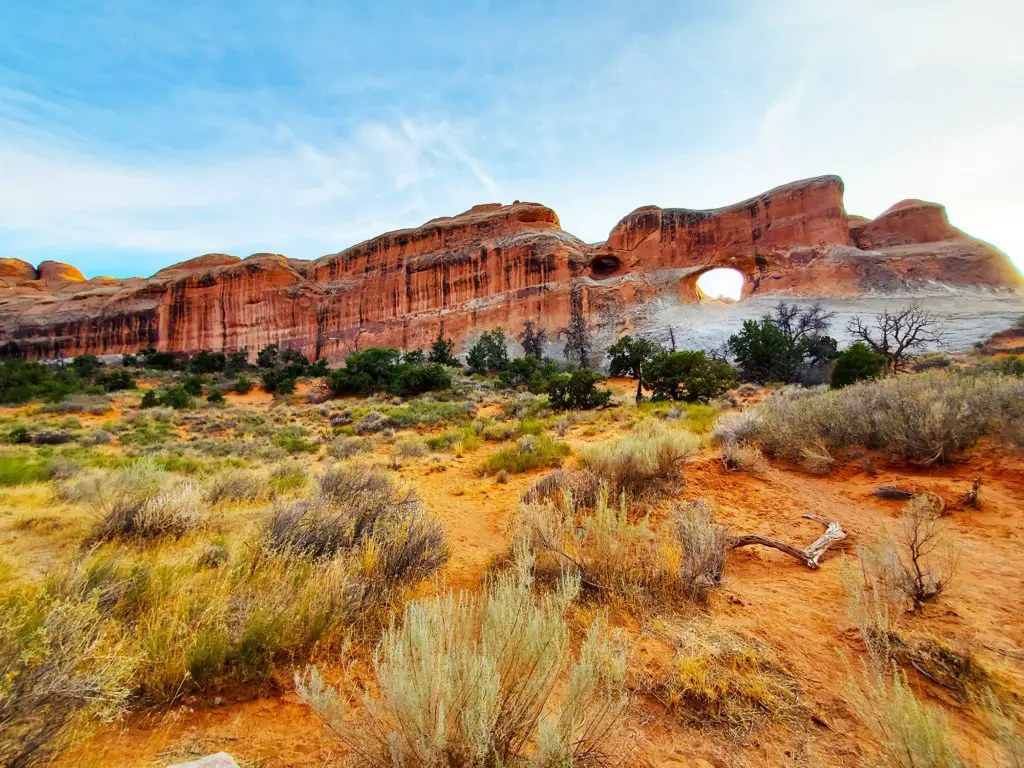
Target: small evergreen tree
[(630, 357), (267, 357), (489, 353), (577, 391), (150, 399), (441, 351)]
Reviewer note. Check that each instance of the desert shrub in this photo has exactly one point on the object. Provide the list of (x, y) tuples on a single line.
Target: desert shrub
[(150, 399), (582, 484), (356, 509), (21, 381), (374, 421), (649, 461), (429, 413), (193, 385), (910, 733), (205, 361), (577, 391), (346, 447), (468, 680), (530, 372), (725, 677), (278, 383), (51, 437), (744, 457), (116, 381), (875, 600), (177, 397), (703, 543), (529, 453), (242, 385), (293, 440), (1011, 365), (410, 448), (236, 485), (690, 376), (94, 404), (524, 405), (617, 559), (138, 503), (498, 431), (285, 479), (412, 380), (97, 437), (62, 669), (927, 562), (925, 418), (216, 397), (737, 427), (441, 351), (459, 441), (857, 363), (19, 436)]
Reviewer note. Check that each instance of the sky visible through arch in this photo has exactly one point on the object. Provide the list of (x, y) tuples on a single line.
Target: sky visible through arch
[(137, 134)]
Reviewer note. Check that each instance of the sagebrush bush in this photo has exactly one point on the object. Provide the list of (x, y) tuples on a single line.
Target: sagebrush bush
[(744, 457), (467, 680), (647, 462), (128, 516), (237, 485), (346, 447), (737, 427), (924, 418), (62, 669), (358, 510), (910, 733)]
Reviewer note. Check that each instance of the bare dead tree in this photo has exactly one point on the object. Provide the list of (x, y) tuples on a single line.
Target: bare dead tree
[(533, 340), (578, 345), (810, 556), (898, 335)]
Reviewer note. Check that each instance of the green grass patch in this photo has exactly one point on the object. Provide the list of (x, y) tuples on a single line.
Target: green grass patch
[(529, 453)]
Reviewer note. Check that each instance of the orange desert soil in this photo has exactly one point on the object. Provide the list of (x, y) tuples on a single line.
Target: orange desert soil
[(799, 613)]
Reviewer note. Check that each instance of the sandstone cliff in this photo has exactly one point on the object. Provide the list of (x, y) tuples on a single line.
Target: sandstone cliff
[(496, 265)]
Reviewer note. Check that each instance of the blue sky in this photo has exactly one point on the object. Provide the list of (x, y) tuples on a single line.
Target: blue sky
[(136, 134)]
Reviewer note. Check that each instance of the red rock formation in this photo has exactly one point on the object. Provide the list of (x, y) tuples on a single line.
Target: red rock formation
[(492, 265)]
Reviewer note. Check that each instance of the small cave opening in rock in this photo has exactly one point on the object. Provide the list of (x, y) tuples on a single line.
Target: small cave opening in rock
[(721, 283), (604, 266)]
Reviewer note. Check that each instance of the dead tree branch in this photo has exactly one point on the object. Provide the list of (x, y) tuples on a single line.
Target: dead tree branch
[(809, 556)]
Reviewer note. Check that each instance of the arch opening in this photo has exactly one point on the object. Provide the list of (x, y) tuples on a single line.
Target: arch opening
[(721, 283), (604, 266)]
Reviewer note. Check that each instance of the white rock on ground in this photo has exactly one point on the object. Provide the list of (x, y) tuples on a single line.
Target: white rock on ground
[(219, 760)]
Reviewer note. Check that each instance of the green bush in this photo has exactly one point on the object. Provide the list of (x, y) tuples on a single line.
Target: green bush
[(489, 354), (207, 362), (177, 397), (193, 385), (19, 436), (690, 376), (150, 399), (216, 397), (412, 379), (116, 381), (277, 383), (856, 363), (17, 470), (242, 385), (577, 391), (529, 372), (441, 351), (21, 381), (1012, 365)]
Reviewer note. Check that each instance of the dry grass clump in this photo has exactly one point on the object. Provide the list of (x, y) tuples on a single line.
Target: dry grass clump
[(910, 733), (139, 503), (530, 452), (704, 543), (582, 484), (355, 509), (737, 427), (62, 668), (720, 676), (924, 418), (649, 461), (744, 457), (467, 680), (237, 485)]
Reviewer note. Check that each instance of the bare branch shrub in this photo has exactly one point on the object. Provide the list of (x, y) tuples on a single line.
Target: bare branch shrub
[(928, 563), (467, 680), (898, 334)]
